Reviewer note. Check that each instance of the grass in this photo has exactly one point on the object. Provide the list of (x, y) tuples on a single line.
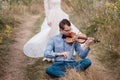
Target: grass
[(89, 74), (82, 16), (3, 59), (36, 71), (91, 17), (13, 16)]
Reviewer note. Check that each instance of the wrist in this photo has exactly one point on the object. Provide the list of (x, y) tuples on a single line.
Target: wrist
[(57, 54)]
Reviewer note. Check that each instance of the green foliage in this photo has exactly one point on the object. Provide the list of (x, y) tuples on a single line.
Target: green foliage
[(106, 26), (7, 23), (9, 9), (81, 5), (95, 23)]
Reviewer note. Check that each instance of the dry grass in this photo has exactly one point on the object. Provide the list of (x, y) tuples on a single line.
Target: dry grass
[(89, 74), (91, 17), (88, 14), (13, 16), (36, 72)]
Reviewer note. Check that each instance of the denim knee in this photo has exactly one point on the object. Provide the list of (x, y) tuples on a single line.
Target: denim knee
[(84, 64), (48, 70), (88, 61), (54, 72)]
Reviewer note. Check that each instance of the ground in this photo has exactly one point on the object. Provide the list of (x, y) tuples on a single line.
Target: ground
[(21, 67)]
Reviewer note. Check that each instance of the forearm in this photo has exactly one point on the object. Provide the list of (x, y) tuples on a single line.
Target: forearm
[(49, 54)]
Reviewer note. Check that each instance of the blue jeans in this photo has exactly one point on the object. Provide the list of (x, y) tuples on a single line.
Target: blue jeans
[(58, 69)]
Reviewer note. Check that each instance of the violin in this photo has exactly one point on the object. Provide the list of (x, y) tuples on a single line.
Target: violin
[(81, 38)]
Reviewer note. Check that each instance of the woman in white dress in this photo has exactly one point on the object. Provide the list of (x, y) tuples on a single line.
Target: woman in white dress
[(54, 14)]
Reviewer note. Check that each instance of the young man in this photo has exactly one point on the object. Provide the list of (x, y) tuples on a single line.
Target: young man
[(62, 52)]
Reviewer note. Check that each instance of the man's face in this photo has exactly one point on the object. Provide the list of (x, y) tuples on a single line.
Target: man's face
[(66, 30)]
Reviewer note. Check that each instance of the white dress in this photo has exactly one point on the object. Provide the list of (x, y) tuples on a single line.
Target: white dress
[(36, 45)]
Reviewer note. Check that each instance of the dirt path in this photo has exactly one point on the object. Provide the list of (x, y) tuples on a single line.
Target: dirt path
[(15, 70)]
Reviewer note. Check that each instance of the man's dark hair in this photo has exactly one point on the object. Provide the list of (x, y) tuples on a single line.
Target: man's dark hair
[(63, 23)]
